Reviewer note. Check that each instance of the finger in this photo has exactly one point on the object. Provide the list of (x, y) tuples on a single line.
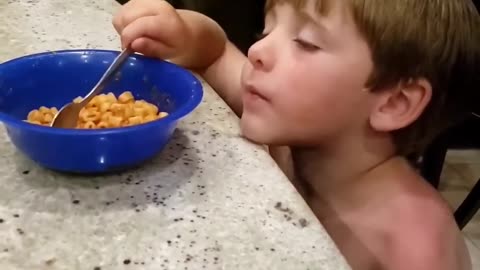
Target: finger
[(125, 18), (136, 9), (164, 29), (152, 48)]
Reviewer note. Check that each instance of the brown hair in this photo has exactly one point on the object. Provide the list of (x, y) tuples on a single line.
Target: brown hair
[(438, 40)]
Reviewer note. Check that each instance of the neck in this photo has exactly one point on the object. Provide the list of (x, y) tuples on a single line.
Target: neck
[(335, 174)]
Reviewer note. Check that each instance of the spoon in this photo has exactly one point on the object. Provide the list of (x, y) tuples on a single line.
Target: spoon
[(67, 116)]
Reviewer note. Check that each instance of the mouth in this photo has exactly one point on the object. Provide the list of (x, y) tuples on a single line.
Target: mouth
[(252, 93)]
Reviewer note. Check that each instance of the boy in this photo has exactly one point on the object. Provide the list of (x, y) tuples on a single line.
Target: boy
[(351, 87)]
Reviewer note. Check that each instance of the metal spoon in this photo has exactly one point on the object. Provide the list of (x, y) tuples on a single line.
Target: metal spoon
[(67, 117)]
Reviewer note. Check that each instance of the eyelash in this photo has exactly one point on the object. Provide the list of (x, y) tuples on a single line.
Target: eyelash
[(304, 45)]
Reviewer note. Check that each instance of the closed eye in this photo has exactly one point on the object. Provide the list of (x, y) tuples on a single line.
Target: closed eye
[(305, 45)]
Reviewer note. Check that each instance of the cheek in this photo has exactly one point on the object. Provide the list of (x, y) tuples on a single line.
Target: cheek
[(246, 70), (304, 91), (325, 96)]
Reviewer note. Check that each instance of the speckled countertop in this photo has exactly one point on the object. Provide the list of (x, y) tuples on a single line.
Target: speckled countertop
[(210, 201)]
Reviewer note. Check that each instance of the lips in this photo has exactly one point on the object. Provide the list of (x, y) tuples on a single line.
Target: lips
[(252, 92)]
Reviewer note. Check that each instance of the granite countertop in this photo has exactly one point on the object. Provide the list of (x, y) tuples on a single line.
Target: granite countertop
[(211, 200)]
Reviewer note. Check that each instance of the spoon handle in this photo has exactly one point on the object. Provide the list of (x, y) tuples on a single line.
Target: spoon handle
[(117, 62)]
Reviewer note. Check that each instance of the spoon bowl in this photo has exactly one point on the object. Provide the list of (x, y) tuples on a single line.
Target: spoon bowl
[(67, 117)]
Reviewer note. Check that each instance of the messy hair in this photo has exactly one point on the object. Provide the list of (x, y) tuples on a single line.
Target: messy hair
[(438, 40)]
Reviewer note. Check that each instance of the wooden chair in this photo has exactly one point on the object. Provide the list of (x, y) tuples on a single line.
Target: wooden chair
[(464, 136)]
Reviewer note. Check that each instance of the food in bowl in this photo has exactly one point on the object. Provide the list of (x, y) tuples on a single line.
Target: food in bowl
[(104, 111), (54, 79)]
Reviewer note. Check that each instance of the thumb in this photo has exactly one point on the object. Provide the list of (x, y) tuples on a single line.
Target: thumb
[(152, 48)]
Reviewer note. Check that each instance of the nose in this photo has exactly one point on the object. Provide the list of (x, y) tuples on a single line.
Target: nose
[(261, 54)]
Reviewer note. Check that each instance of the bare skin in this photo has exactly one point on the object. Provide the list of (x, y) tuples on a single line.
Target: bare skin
[(387, 218), (379, 212)]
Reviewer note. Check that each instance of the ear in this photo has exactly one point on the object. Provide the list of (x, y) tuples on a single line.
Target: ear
[(397, 108)]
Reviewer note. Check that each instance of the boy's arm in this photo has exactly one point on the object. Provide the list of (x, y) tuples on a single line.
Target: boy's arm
[(225, 71), (224, 75)]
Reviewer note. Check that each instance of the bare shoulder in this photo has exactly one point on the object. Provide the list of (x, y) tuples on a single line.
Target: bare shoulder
[(424, 234)]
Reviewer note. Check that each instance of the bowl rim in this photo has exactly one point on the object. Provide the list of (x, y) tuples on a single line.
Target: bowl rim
[(179, 113)]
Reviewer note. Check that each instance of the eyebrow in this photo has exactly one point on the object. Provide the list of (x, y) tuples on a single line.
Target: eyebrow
[(306, 16)]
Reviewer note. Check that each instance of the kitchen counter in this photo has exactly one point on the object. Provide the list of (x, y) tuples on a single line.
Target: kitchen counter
[(211, 200)]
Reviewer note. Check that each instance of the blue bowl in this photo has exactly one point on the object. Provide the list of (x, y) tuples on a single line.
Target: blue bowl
[(53, 79)]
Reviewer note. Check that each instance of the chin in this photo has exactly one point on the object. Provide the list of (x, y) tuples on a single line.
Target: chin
[(260, 133), (254, 131)]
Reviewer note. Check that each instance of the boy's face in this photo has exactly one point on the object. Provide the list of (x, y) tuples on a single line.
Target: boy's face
[(304, 81)]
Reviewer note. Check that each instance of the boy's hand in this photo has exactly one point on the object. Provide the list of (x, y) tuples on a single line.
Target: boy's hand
[(187, 38), (153, 28)]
